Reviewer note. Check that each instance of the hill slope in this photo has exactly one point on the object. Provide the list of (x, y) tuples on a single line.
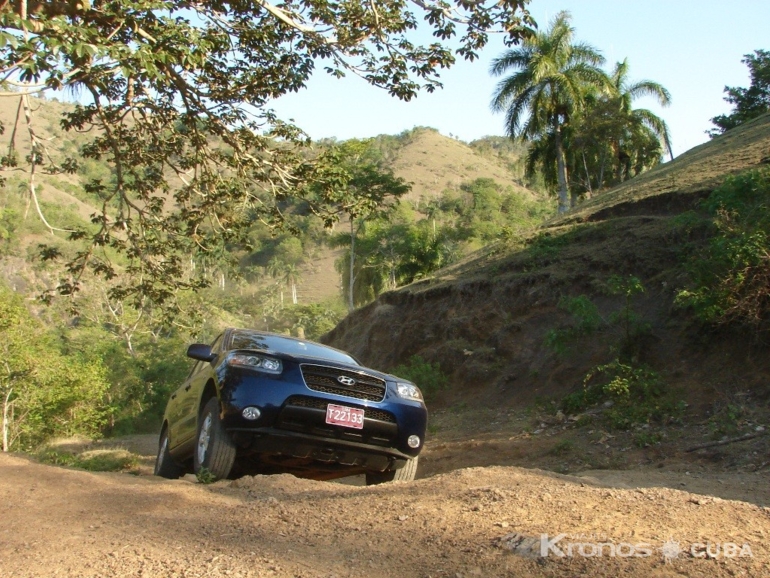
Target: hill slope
[(487, 321), (433, 163)]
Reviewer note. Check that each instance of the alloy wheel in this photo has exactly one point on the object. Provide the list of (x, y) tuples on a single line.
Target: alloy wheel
[(203, 439)]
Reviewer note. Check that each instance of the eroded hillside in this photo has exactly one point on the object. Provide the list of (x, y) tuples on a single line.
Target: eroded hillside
[(487, 321)]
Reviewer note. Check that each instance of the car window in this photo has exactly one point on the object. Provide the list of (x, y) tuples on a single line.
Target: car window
[(265, 342)]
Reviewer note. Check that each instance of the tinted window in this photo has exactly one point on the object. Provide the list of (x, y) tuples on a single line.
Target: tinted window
[(259, 341)]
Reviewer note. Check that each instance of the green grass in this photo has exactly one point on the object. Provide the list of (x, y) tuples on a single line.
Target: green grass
[(92, 460)]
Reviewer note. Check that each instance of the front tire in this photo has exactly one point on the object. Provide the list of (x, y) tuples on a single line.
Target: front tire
[(165, 466), (405, 474), (214, 449)]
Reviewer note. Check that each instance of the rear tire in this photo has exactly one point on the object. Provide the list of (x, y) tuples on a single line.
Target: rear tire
[(405, 474), (165, 466), (214, 448)]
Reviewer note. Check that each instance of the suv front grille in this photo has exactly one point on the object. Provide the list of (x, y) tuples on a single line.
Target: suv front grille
[(326, 379), (315, 403)]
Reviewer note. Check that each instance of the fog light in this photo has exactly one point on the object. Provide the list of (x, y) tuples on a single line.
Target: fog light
[(251, 413), (414, 442)]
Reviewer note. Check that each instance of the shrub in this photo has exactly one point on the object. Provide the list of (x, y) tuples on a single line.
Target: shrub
[(635, 395), (427, 376), (205, 476), (586, 321), (633, 327), (730, 277)]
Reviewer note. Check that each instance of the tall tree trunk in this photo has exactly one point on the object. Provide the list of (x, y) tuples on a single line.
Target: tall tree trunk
[(588, 176), (6, 422), (352, 278), (561, 170), (600, 184)]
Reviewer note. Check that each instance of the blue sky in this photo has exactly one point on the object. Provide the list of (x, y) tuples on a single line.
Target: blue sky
[(692, 47)]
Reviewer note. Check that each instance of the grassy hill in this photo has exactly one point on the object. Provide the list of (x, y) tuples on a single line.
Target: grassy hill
[(433, 163)]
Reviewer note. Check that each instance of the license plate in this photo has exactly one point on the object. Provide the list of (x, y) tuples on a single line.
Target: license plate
[(345, 416)]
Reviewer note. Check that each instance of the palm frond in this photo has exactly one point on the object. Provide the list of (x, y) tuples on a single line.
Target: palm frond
[(650, 88)]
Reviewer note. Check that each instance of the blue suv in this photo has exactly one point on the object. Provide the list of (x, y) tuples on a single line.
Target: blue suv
[(262, 403)]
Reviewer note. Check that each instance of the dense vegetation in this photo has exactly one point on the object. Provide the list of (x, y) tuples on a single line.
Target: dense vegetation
[(209, 207), (45, 390), (730, 276)]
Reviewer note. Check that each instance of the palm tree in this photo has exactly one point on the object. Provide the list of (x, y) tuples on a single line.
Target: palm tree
[(552, 77), (626, 92), (291, 276), (609, 140), (275, 268)]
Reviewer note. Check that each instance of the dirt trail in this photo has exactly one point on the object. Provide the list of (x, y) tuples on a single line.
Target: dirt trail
[(58, 522)]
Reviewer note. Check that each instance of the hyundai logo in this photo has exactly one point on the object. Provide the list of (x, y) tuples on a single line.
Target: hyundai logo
[(345, 380)]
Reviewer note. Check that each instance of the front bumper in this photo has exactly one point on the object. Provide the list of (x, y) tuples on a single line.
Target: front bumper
[(349, 454), (293, 422)]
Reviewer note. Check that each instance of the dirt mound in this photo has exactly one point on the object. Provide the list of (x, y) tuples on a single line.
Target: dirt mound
[(470, 522)]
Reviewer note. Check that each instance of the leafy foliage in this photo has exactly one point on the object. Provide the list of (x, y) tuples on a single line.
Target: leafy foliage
[(139, 384), (175, 98), (315, 319), (44, 392), (205, 476), (411, 241), (633, 395), (427, 376), (731, 274), (633, 327), (365, 191), (587, 321), (749, 102)]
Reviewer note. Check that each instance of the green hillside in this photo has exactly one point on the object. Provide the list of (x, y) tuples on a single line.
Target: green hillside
[(462, 197), (631, 302)]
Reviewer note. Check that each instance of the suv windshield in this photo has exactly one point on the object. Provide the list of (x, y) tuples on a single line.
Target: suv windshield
[(262, 341)]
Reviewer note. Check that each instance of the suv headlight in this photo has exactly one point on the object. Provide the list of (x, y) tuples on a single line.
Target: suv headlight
[(409, 391), (267, 364)]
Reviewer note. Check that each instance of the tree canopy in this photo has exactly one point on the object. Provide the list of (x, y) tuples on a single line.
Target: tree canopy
[(552, 76), (176, 95), (582, 130), (749, 102)]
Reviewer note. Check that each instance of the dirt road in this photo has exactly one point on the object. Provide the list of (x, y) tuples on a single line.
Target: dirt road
[(472, 522)]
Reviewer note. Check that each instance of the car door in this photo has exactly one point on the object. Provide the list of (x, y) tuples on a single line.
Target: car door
[(190, 395), (179, 407)]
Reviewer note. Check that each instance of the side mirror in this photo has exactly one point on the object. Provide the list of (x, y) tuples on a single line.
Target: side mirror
[(201, 352)]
